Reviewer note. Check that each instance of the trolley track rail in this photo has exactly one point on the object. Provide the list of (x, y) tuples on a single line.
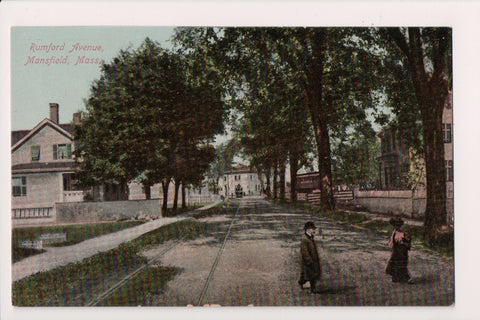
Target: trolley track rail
[(101, 297), (132, 275), (217, 259)]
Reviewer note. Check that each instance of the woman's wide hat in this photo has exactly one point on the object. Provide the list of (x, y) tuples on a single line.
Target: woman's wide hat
[(396, 221), (309, 225)]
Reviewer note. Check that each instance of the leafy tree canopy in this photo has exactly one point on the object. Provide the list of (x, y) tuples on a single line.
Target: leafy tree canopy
[(152, 112)]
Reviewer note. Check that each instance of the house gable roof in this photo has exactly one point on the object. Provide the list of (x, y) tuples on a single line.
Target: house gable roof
[(18, 135), (240, 168), (25, 135)]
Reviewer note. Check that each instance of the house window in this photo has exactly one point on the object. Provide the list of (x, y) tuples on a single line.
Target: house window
[(69, 182), (62, 151), (449, 169), (19, 186), (447, 132), (35, 152)]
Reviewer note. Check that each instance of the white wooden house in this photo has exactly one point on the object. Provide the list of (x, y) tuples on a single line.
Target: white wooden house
[(42, 170), (240, 178), (43, 175)]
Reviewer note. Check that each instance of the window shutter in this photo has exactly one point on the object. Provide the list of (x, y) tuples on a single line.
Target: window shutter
[(54, 152), (24, 186), (69, 151)]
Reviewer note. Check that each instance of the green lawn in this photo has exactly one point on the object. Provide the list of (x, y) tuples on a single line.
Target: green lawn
[(74, 233), (77, 284)]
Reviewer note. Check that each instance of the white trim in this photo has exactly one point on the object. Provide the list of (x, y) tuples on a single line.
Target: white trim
[(40, 170)]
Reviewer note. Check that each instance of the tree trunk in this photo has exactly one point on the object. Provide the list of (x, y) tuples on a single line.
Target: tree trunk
[(324, 168), (318, 114), (175, 197), (436, 211), (268, 189), (431, 93), (148, 190), (124, 190), (165, 184), (260, 177), (275, 178), (293, 175), (282, 180), (184, 203), (216, 187)]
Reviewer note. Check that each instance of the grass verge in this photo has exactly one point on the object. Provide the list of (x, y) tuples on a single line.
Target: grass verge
[(74, 233), (178, 211), (76, 284)]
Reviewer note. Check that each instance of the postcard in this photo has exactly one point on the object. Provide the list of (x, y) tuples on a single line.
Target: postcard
[(192, 157)]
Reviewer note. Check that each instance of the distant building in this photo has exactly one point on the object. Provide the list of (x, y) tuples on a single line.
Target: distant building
[(395, 162), (447, 125), (240, 180)]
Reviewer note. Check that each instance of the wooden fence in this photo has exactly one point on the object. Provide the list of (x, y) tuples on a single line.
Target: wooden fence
[(340, 196)]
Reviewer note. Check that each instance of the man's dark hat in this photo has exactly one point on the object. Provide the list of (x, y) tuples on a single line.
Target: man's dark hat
[(396, 221), (309, 225)]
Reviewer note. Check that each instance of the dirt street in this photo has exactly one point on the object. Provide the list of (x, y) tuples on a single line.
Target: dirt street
[(259, 265)]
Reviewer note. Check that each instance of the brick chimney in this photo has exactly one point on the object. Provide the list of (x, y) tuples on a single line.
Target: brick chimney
[(54, 112)]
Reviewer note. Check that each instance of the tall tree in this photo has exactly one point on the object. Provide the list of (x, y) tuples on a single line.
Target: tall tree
[(147, 106), (427, 57), (314, 69), (274, 125), (332, 77)]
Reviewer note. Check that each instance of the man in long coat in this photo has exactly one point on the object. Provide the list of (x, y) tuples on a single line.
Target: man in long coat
[(310, 269)]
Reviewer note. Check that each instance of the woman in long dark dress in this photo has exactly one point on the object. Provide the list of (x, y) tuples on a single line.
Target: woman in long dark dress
[(400, 243)]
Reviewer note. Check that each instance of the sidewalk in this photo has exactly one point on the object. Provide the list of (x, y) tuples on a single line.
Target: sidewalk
[(61, 256)]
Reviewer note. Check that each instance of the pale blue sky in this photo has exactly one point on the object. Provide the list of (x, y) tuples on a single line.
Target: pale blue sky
[(34, 86)]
